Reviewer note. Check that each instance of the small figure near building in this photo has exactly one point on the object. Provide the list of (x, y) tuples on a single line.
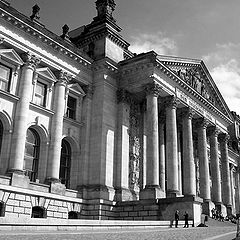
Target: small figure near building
[(186, 225), (176, 218)]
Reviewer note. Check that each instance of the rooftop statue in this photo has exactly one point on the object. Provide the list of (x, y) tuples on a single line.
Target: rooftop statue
[(105, 8)]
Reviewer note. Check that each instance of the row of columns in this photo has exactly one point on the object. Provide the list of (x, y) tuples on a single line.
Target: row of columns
[(16, 163), (171, 158)]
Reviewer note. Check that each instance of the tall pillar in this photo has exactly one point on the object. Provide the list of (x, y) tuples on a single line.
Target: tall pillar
[(53, 164), (238, 190), (232, 181), (21, 114), (162, 174), (152, 189), (203, 160), (179, 137), (215, 167), (171, 147), (189, 176), (226, 184), (122, 160)]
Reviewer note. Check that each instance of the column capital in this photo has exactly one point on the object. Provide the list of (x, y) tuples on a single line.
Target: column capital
[(187, 112), (170, 102), (153, 88), (213, 130), (31, 60), (123, 96), (201, 122), (63, 77), (223, 137)]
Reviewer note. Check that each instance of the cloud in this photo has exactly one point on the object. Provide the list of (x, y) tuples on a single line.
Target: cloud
[(157, 42), (227, 78), (224, 67)]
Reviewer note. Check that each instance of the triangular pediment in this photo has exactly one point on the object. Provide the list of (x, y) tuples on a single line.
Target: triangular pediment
[(46, 73), (76, 88), (11, 55), (195, 76)]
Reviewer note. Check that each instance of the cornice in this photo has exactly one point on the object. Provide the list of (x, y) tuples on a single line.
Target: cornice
[(38, 31), (99, 33), (105, 64)]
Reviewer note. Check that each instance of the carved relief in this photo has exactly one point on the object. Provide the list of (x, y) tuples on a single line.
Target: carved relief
[(135, 147), (194, 77)]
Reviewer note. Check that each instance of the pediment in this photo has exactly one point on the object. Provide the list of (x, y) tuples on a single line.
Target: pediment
[(46, 73), (11, 55), (77, 89), (196, 77)]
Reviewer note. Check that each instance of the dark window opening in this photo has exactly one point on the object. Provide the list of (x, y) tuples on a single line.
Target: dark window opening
[(5, 77), (72, 215), (71, 107), (39, 212), (2, 209), (1, 136), (65, 163), (31, 157)]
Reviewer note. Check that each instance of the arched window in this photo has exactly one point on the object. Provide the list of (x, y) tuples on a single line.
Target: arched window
[(39, 212), (31, 157), (65, 163), (1, 135), (72, 215)]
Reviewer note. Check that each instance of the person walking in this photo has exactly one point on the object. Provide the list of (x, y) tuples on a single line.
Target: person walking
[(176, 218), (186, 225)]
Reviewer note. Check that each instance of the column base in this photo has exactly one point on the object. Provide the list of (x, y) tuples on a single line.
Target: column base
[(172, 193), (18, 179), (124, 194), (207, 206), (151, 192), (56, 186), (96, 192)]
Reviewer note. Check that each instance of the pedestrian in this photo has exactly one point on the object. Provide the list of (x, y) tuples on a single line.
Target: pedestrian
[(176, 218), (186, 225)]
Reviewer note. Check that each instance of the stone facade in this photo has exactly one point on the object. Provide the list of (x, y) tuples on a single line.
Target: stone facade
[(90, 130)]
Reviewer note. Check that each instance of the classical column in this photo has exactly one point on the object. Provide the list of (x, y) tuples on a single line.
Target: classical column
[(232, 181), (238, 189), (122, 164), (189, 176), (215, 166), (152, 189), (226, 184), (179, 137), (162, 174), (171, 146), (53, 165), (205, 193), (21, 114)]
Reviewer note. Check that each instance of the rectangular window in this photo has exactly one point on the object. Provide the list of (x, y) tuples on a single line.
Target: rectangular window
[(71, 107), (5, 76), (40, 94)]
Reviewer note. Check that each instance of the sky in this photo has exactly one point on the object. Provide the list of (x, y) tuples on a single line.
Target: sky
[(200, 29)]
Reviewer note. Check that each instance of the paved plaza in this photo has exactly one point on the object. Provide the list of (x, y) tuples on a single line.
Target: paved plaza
[(218, 232)]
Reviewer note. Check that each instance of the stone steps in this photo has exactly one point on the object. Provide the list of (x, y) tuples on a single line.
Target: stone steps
[(75, 225)]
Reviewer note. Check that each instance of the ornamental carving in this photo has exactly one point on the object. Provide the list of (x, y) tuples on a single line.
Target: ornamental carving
[(223, 137), (213, 131), (187, 112), (123, 96), (153, 88), (201, 123), (135, 147), (194, 77), (64, 77), (31, 60), (170, 102), (89, 90)]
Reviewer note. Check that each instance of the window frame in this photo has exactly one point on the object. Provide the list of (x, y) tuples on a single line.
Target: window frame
[(33, 172), (70, 110), (10, 77), (45, 86)]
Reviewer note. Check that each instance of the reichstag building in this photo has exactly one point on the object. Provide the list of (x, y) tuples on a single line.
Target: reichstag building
[(90, 130)]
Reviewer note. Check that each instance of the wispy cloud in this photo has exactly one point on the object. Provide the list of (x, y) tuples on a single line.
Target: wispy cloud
[(158, 42), (225, 69)]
